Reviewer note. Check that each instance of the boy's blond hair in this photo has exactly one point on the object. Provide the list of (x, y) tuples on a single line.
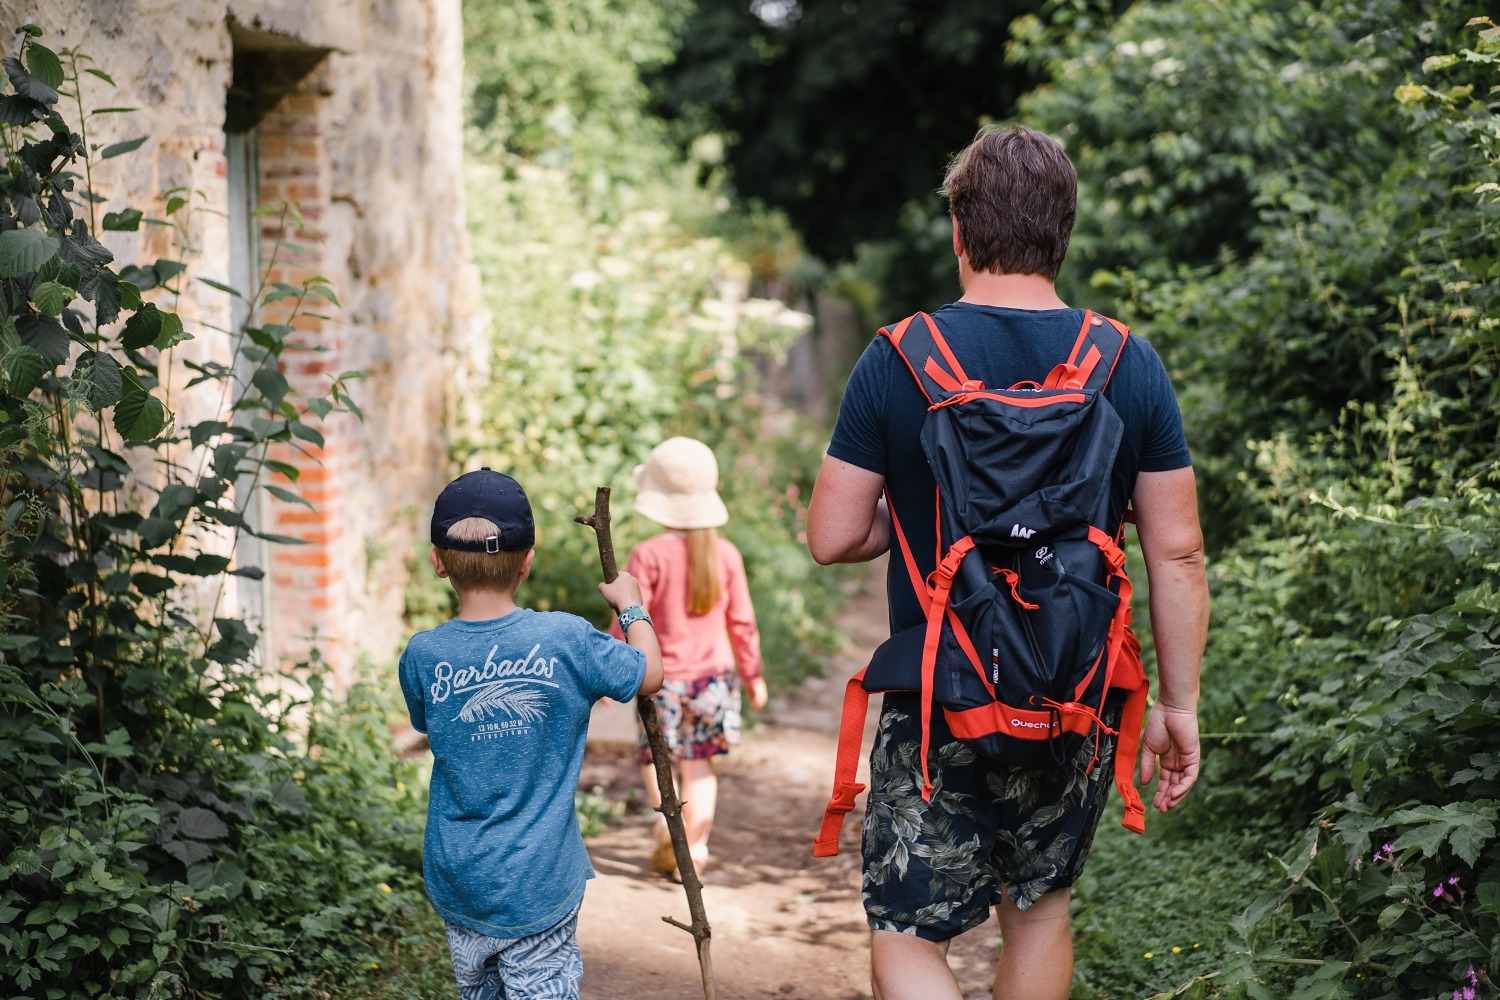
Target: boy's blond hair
[(480, 570)]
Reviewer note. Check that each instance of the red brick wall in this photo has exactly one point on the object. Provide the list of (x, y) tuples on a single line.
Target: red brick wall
[(308, 582)]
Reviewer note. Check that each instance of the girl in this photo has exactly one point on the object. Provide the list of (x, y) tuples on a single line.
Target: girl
[(693, 584)]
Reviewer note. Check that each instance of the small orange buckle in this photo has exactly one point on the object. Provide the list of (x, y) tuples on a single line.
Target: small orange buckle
[(843, 797)]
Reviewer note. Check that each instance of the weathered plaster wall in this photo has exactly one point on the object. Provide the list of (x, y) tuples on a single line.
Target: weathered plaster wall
[(370, 144)]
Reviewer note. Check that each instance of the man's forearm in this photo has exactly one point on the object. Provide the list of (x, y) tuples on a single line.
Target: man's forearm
[(1179, 624)]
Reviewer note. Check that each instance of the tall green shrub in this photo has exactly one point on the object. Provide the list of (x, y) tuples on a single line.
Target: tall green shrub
[(169, 827), (1333, 333), (616, 319)]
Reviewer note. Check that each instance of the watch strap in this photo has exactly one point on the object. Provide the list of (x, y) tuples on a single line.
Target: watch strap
[(629, 616)]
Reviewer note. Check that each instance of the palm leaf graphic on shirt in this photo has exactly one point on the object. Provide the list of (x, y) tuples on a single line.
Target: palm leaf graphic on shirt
[(524, 703)]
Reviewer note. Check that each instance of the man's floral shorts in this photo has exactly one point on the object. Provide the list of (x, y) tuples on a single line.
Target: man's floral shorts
[(935, 868)]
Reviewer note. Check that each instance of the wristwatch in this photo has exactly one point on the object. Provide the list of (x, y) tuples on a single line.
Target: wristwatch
[(629, 616)]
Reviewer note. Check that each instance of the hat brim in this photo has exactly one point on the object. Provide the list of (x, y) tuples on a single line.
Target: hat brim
[(684, 511)]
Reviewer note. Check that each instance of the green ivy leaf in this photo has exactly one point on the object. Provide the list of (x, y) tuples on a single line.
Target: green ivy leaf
[(171, 333), (97, 380), (43, 64), (205, 564), (234, 644), (27, 85), (51, 297), (152, 585), (166, 270), (18, 110), (129, 297), (220, 286), (286, 469), (281, 493), (271, 383), (1466, 826), (23, 369), (288, 796), (121, 148), (226, 459), (126, 221), (200, 433), (306, 432), (110, 296), (142, 329), (139, 416), (47, 336), (24, 250)]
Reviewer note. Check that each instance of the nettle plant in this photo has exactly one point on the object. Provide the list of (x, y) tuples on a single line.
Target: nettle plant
[(157, 820)]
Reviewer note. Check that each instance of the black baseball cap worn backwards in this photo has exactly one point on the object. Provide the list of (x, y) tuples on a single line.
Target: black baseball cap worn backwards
[(493, 496)]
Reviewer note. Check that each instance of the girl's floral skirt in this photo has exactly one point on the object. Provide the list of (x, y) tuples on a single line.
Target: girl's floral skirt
[(700, 718)]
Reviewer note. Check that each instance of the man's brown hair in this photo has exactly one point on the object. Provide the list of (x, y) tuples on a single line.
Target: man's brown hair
[(1013, 194), (480, 570)]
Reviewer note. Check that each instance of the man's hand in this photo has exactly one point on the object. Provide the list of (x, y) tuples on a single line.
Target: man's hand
[(1170, 740), (756, 689), (622, 592)]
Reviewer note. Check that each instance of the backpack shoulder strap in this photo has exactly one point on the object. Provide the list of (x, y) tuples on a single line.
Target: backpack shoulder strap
[(1095, 353), (928, 357)]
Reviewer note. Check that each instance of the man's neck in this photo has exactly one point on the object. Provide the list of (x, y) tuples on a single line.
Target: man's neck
[(1013, 291)]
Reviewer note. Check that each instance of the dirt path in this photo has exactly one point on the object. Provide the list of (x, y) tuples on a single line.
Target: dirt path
[(784, 923)]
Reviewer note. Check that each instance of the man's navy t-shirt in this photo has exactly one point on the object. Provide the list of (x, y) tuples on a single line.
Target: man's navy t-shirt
[(880, 418)]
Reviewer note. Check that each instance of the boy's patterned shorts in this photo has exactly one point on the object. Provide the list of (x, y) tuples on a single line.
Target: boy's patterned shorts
[(542, 966), (700, 719), (935, 869)]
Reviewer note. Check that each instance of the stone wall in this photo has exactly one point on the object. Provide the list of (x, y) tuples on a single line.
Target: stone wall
[(356, 109)]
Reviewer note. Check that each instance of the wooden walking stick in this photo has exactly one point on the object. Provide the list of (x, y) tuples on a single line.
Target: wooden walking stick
[(671, 807)]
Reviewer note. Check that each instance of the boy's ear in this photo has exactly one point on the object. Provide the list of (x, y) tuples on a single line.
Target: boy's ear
[(437, 563), (526, 564), (958, 240)]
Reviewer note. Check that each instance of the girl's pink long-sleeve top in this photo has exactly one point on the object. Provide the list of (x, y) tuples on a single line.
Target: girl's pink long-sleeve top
[(696, 646)]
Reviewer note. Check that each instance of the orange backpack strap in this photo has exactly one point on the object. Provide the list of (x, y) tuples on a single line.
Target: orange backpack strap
[(929, 358), (845, 788), (1132, 718)]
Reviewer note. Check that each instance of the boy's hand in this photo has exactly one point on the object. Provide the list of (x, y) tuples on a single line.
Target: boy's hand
[(622, 593), (758, 693)]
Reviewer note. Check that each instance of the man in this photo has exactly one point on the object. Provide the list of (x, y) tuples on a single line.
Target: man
[(1021, 838)]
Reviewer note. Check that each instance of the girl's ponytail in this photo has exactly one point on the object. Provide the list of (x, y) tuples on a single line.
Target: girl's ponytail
[(705, 586)]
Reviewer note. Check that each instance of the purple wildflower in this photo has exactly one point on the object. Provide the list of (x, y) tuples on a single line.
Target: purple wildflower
[(1453, 880), (1473, 979), (1468, 993), (1437, 892)]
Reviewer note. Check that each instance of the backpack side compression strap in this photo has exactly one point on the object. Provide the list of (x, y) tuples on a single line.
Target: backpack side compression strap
[(845, 788)]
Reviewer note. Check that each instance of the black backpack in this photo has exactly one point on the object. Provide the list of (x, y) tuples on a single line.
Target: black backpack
[(1028, 612)]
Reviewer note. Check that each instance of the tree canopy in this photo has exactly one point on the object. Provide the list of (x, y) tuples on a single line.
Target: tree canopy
[(840, 114)]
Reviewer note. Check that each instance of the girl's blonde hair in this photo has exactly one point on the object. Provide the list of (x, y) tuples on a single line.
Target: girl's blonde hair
[(705, 586)]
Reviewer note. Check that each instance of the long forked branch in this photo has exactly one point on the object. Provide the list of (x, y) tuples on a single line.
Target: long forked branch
[(671, 806)]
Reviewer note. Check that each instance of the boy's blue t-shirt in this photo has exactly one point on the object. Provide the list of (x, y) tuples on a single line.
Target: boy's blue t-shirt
[(505, 705)]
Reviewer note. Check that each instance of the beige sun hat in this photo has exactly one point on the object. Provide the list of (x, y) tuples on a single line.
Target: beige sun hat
[(679, 486)]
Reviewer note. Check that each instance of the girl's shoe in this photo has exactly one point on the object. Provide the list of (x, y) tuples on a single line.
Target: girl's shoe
[(663, 858)]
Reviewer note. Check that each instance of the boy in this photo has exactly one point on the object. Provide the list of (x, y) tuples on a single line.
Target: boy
[(503, 694)]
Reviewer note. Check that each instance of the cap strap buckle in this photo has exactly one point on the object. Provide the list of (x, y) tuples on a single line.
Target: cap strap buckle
[(492, 544)]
